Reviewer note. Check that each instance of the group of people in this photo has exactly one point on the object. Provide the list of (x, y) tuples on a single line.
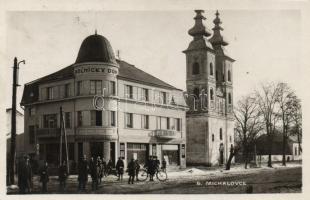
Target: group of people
[(97, 168)]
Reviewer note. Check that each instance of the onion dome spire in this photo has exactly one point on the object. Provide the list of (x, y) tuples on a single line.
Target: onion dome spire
[(199, 30), (217, 38)]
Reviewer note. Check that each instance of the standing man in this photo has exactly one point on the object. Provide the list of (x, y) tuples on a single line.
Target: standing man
[(93, 173), (83, 174), (109, 168), (23, 175), (62, 175), (120, 168), (151, 167), (164, 165), (100, 169), (137, 169), (131, 171), (44, 177), (28, 173)]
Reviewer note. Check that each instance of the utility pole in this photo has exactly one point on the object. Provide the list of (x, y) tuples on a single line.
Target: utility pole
[(13, 121)]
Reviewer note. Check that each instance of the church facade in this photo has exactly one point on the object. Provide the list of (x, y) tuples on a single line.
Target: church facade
[(210, 121)]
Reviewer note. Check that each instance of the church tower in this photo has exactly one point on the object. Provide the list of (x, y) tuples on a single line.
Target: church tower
[(210, 125)]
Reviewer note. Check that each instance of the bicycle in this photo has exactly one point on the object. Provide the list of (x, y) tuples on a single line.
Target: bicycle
[(160, 175)]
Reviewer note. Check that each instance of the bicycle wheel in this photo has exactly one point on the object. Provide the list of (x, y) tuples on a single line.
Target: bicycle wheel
[(143, 175), (162, 176)]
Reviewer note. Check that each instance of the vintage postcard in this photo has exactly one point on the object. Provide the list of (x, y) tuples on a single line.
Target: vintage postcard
[(154, 100)]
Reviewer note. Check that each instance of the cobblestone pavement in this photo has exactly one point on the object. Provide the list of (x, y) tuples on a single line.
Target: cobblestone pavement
[(191, 181)]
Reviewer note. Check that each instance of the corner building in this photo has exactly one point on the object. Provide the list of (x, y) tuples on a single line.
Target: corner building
[(111, 109), (210, 121)]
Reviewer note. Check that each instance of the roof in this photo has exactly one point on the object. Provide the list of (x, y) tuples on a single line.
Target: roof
[(126, 72), (96, 48), (17, 111)]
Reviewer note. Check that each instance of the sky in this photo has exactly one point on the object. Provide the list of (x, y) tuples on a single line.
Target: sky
[(266, 44)]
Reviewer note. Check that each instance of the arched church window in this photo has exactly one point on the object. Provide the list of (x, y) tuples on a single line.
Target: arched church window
[(211, 94), (221, 134), (195, 69), (229, 76), (196, 93), (211, 69), (229, 98)]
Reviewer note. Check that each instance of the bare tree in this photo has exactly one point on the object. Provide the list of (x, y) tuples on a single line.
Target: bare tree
[(296, 115), (248, 124), (287, 101), (268, 106)]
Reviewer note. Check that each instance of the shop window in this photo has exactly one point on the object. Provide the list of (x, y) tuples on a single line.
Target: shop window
[(67, 90), (50, 121), (68, 119), (112, 88), (211, 69), (122, 150), (221, 134), (145, 94), (31, 134), (96, 118), (211, 94), (129, 120), (79, 88), (145, 121), (95, 87), (79, 118), (129, 91), (195, 69), (112, 118)]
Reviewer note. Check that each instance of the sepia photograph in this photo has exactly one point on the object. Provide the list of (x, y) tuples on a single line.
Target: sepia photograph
[(187, 101)]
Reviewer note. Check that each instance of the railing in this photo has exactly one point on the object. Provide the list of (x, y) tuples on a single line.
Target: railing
[(48, 132)]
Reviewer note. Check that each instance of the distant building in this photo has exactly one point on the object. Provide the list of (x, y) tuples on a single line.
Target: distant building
[(209, 81), (19, 131), (292, 150), (111, 109)]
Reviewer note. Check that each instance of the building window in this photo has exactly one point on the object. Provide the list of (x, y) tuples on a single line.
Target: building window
[(229, 98), (79, 88), (154, 150), (221, 134), (230, 139), (178, 124), (79, 118), (50, 121), (158, 123), (129, 91), (68, 119), (112, 88), (31, 111), (129, 120), (145, 121), (195, 69), (67, 90), (50, 93), (145, 94), (168, 123), (196, 93), (163, 97), (112, 118), (229, 75), (31, 134), (211, 69), (96, 118), (295, 151), (211, 94), (95, 87), (212, 137)]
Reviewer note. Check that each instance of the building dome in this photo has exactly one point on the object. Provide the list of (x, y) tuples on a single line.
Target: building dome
[(96, 48)]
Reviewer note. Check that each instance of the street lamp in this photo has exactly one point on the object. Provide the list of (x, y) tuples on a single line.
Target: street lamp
[(13, 120)]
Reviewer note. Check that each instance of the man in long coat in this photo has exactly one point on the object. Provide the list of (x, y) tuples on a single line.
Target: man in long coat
[(83, 174), (120, 168), (131, 171)]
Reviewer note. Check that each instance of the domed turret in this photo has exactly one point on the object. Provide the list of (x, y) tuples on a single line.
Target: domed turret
[(96, 48)]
